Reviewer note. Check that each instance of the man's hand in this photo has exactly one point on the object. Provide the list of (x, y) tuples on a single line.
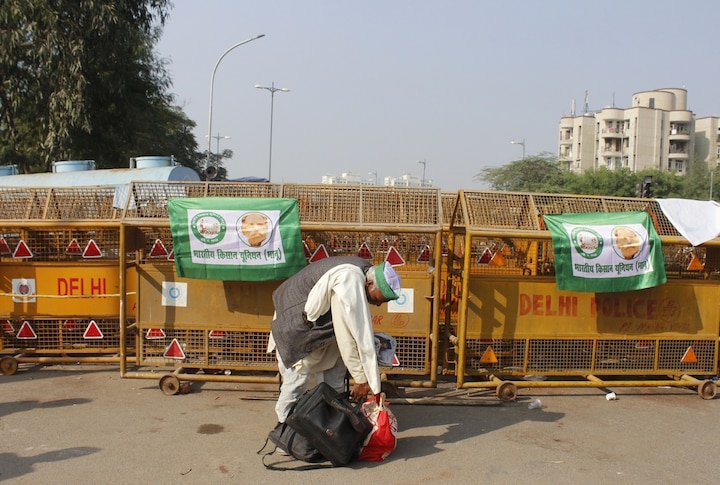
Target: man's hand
[(359, 392)]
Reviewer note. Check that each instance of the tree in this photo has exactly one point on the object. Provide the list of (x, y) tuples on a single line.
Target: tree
[(696, 183), (81, 80), (539, 173), (619, 183)]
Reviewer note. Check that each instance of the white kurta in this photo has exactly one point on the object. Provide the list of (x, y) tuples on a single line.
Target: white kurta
[(342, 289)]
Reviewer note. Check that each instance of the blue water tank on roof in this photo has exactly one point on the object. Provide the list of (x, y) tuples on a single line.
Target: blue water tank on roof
[(74, 175)]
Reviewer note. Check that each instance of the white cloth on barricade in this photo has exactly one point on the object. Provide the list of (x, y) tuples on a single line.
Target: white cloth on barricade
[(697, 221)]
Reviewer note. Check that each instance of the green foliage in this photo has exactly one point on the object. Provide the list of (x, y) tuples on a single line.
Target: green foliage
[(543, 174), (540, 173), (80, 80), (697, 182)]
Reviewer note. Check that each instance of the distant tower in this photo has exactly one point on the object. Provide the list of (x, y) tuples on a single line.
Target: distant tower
[(572, 108), (587, 98)]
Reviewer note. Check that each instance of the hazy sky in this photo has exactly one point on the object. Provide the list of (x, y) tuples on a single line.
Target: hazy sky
[(376, 86)]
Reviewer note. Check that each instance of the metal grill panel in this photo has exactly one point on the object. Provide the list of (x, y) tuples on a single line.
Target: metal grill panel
[(23, 204), (448, 201), (536, 257), (673, 352), (417, 249), (65, 336), (625, 355), (522, 211), (502, 210), (82, 203), (588, 356), (510, 355), (244, 190), (412, 352), (57, 244), (558, 356), (233, 351), (149, 200)]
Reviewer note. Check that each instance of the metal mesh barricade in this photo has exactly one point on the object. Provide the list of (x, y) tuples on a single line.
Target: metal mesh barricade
[(222, 332), (59, 276), (512, 323)]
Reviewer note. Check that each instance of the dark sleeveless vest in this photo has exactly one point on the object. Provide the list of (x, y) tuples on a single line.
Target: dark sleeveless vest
[(294, 337)]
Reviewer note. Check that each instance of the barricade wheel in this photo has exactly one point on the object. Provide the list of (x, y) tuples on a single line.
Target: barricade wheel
[(170, 385), (506, 391), (8, 365), (707, 389)]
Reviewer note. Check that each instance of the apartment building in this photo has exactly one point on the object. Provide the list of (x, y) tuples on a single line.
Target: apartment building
[(656, 132), (707, 140)]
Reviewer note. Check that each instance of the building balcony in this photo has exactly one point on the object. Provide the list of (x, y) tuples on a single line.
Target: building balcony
[(612, 133), (682, 135)]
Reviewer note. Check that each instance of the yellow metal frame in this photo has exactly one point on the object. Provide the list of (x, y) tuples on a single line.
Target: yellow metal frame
[(71, 292), (492, 331), (345, 213)]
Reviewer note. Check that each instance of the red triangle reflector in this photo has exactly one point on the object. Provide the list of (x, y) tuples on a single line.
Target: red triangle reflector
[(69, 325), (155, 334), (217, 334), (689, 357), (485, 257), (92, 250), (4, 248), (73, 248), (394, 258), (497, 259), (320, 253), (489, 356), (158, 249), (171, 256), (364, 251), (22, 250), (424, 256), (7, 327), (384, 245), (92, 331), (307, 250), (26, 332), (174, 350), (395, 361)]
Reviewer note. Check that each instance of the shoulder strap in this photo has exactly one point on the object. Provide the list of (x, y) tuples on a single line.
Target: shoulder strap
[(277, 465)]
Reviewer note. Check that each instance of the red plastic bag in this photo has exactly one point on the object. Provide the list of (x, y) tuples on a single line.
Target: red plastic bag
[(382, 440)]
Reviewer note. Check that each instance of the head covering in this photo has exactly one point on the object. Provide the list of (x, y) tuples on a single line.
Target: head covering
[(388, 280)]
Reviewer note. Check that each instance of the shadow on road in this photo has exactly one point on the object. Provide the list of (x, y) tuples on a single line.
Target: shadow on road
[(13, 466), (7, 408)]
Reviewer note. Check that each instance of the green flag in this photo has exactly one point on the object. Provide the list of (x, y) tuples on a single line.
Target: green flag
[(243, 239), (606, 252)]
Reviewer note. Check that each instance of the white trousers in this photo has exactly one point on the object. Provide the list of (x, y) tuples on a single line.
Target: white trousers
[(295, 383)]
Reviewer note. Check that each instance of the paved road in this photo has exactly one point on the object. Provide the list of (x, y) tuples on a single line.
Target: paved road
[(84, 424)]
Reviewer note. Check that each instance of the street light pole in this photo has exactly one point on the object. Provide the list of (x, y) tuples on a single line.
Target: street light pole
[(212, 87), (520, 143), (272, 90), (218, 138), (424, 163), (712, 173)]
